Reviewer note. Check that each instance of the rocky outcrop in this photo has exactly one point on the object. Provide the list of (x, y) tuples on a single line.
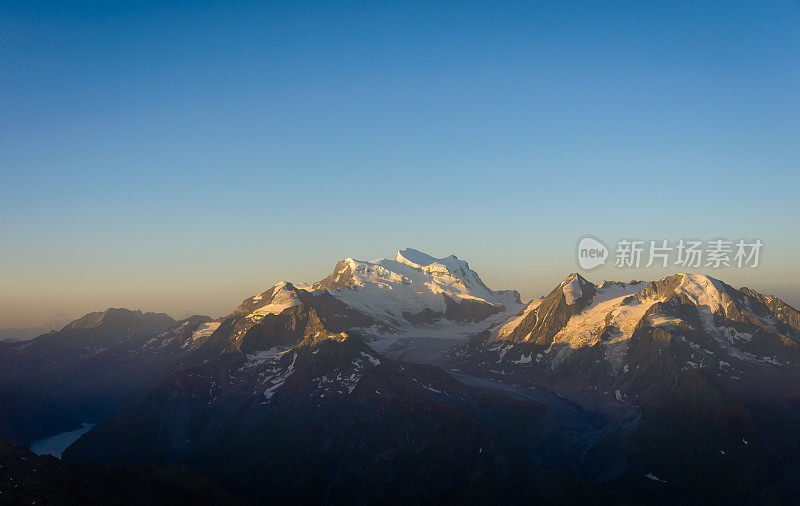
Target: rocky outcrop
[(283, 316), (551, 314), (470, 310)]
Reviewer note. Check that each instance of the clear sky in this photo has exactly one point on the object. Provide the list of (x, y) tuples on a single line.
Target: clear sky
[(181, 156)]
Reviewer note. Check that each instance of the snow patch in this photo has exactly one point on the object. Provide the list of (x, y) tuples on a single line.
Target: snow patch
[(205, 330), (665, 322), (706, 293), (282, 299), (372, 360), (572, 291), (523, 359), (606, 309)]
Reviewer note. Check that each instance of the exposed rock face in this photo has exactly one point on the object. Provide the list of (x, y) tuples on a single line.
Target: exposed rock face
[(473, 311), (710, 322), (283, 316), (764, 305), (543, 319)]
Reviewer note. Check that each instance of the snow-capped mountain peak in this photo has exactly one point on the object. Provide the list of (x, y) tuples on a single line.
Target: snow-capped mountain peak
[(278, 298), (420, 260), (705, 291), (572, 287), (413, 285), (699, 321)]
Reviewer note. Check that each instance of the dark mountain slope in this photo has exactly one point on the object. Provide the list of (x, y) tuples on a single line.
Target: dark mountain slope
[(26, 478), (324, 421), (88, 369)]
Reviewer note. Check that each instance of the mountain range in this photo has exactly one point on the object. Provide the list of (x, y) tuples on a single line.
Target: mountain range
[(408, 380)]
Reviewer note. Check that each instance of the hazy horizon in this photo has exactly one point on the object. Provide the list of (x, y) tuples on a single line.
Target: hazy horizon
[(182, 158), (220, 301)]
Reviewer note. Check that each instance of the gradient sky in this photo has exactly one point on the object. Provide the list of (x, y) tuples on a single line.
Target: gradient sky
[(182, 157)]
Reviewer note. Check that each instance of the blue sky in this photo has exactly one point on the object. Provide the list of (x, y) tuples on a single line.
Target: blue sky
[(182, 156)]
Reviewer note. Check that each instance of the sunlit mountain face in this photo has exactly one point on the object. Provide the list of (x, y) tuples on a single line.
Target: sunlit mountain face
[(409, 380)]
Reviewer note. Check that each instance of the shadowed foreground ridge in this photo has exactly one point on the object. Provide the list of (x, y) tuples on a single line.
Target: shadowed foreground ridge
[(27, 478)]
